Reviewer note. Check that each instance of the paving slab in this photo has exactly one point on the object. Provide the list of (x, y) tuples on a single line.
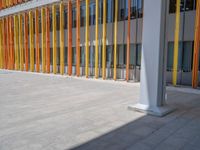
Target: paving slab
[(53, 112)]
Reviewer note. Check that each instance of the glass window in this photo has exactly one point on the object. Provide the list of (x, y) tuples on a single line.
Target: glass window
[(40, 56), (92, 13), (139, 8), (172, 6), (109, 59), (121, 56), (132, 54), (138, 54), (126, 10), (133, 9), (187, 56), (58, 55), (186, 5), (100, 11), (100, 56), (58, 19), (170, 56), (92, 56), (65, 18), (51, 56), (136, 9), (33, 24), (73, 17), (82, 15), (125, 54), (190, 5), (50, 19), (66, 57), (82, 56), (121, 11), (40, 22), (109, 11), (73, 55)]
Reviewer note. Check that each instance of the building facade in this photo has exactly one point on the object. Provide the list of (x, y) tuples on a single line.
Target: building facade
[(93, 38)]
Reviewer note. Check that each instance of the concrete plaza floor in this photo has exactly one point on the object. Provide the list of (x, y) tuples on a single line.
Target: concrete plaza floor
[(46, 112)]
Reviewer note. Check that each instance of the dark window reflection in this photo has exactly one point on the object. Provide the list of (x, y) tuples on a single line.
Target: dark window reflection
[(186, 5), (136, 9), (74, 17)]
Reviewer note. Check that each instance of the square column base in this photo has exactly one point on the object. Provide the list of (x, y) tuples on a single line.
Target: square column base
[(155, 111)]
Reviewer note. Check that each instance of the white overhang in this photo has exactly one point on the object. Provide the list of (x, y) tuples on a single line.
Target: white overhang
[(26, 6)]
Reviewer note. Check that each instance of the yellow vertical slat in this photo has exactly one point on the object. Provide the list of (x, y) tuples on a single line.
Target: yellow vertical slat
[(31, 41), (97, 41), (1, 44), (43, 40), (78, 21), (87, 39), (115, 41), (37, 40), (104, 41), (16, 41), (54, 40), (176, 43), (61, 38), (6, 3), (21, 43), (48, 63)]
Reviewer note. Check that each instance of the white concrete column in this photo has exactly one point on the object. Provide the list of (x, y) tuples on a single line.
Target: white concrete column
[(152, 92)]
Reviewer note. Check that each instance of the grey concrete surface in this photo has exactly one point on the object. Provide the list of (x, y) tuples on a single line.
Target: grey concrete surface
[(47, 112)]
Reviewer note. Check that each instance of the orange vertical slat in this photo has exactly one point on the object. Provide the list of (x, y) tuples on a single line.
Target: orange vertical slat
[(128, 40), (196, 48), (78, 38), (37, 40), (3, 4), (26, 40), (47, 41), (15, 2), (12, 2), (0, 4), (69, 38)]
